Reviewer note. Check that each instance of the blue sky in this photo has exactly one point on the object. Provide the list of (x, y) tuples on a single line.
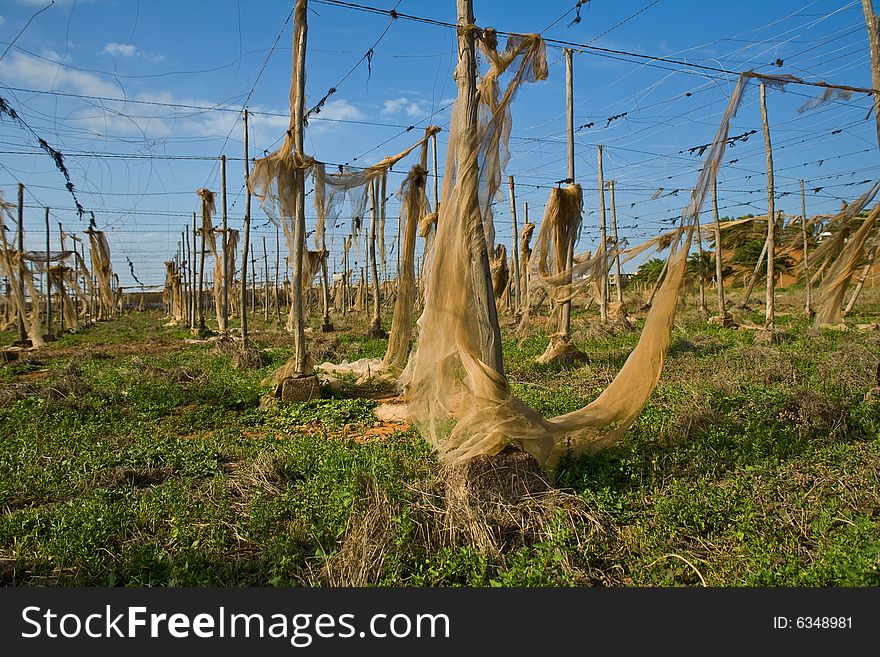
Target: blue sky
[(137, 164)]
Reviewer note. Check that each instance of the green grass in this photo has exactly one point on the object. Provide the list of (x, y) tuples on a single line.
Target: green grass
[(130, 457)]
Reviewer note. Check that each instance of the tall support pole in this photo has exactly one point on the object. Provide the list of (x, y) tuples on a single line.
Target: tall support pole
[(194, 315), (22, 335), (253, 282), (469, 181), (525, 257), (435, 173), (376, 320), (246, 243), (719, 275), (187, 308), (299, 224), (515, 279), (277, 269), (808, 310), (265, 281), (603, 240), (61, 316), (617, 278), (701, 273), (201, 296), (62, 244), (224, 284), (873, 25), (565, 317), (771, 218), (48, 282)]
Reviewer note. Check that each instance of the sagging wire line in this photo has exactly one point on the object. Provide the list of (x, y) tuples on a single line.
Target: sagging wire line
[(366, 56), (21, 31), (131, 268), (612, 53), (57, 156)]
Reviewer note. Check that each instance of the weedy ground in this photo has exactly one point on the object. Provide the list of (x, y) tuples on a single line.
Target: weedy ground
[(129, 456)]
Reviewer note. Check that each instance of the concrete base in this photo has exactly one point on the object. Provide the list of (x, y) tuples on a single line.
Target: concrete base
[(775, 336), (724, 322), (300, 389)]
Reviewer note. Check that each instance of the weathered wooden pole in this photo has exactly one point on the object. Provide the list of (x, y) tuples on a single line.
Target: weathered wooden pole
[(245, 247), (376, 320), (194, 294), (469, 181), (525, 256), (22, 334), (224, 285), (603, 240), (201, 302), (808, 309), (265, 282), (719, 273), (515, 278), (48, 282), (700, 269), (253, 283), (873, 25), (299, 224), (771, 218), (277, 270), (617, 277), (61, 316), (565, 317)]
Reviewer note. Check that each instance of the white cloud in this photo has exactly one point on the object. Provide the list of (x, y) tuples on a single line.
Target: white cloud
[(120, 50), (394, 105), (38, 73), (340, 109), (403, 105), (2, 20)]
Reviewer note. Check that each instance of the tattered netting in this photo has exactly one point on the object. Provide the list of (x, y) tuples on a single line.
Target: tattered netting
[(462, 405)]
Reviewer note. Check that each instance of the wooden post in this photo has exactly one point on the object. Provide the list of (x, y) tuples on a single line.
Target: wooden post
[(48, 282), (22, 334), (771, 218), (873, 25), (277, 268), (246, 243), (808, 310), (469, 181), (719, 275), (603, 240), (299, 223), (224, 284), (186, 291), (376, 321), (253, 283), (617, 277), (265, 282), (700, 270), (345, 275), (565, 317), (62, 318), (514, 279), (201, 303), (525, 257)]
